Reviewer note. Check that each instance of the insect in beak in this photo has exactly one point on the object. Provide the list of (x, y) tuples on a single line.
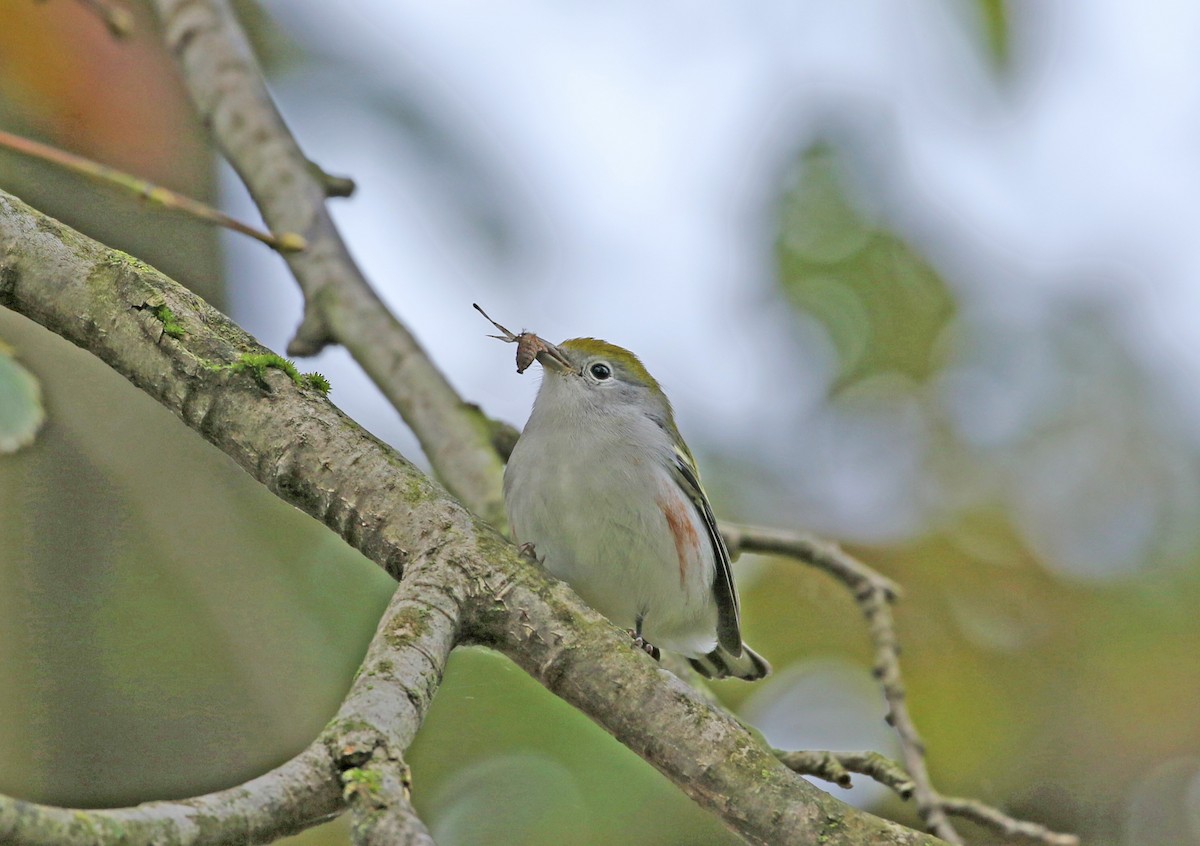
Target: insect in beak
[(530, 347)]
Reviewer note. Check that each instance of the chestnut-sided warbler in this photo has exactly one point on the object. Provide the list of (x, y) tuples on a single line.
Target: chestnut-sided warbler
[(603, 489)]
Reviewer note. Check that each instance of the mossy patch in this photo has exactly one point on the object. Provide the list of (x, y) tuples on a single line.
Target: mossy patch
[(116, 258), (317, 382), (171, 324), (257, 365), (365, 784)]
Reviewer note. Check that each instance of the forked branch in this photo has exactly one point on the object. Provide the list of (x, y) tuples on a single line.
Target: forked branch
[(875, 594)]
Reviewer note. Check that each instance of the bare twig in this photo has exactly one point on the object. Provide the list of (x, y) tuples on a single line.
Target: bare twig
[(875, 606), (811, 550), (335, 186), (836, 767), (227, 89), (156, 194), (1001, 823)]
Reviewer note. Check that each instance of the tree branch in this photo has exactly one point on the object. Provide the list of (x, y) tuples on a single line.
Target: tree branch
[(385, 707), (288, 799), (227, 89), (355, 761), (836, 767), (812, 551), (1001, 823), (874, 595), (382, 813), (714, 759), (146, 190), (304, 450)]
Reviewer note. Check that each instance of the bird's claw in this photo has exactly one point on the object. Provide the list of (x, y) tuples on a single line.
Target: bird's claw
[(645, 645)]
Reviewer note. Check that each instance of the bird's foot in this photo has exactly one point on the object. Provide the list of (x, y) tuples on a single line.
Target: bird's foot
[(645, 645)]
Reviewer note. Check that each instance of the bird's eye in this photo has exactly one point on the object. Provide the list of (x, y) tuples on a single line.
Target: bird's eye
[(601, 371)]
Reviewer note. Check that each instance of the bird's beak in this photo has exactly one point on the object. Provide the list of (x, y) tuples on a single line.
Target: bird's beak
[(552, 358)]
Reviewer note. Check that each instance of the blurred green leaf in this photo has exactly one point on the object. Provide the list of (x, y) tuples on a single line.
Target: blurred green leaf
[(882, 304), (21, 410)]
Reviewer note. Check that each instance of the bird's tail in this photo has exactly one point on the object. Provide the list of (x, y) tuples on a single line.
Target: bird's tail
[(721, 663)]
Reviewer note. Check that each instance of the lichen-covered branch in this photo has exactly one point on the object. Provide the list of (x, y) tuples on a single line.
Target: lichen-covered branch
[(356, 761), (288, 799), (226, 86), (387, 703), (303, 449), (836, 767), (714, 759), (380, 809)]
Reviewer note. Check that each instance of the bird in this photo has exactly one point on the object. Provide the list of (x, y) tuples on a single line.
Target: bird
[(603, 490)]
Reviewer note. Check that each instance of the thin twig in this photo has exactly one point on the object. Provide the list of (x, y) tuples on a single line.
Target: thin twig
[(877, 609), (1001, 823), (165, 197), (811, 550), (874, 594)]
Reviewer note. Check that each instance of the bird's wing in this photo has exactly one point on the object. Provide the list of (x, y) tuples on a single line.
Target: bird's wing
[(729, 630)]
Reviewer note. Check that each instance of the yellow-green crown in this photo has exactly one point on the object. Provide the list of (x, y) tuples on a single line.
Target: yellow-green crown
[(634, 370)]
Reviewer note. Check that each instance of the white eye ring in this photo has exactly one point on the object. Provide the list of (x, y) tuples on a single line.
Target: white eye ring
[(600, 371)]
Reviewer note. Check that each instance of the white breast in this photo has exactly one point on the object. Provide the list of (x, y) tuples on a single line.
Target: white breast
[(599, 510)]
